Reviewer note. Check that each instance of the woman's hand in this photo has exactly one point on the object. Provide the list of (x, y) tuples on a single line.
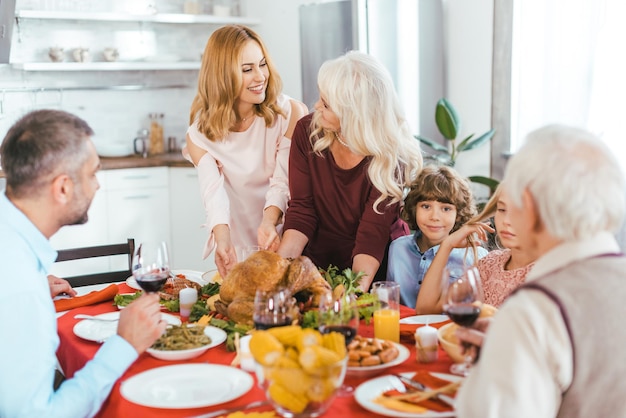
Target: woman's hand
[(267, 236), (58, 286), (225, 252)]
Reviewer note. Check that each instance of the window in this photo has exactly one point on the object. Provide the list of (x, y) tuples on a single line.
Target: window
[(566, 66)]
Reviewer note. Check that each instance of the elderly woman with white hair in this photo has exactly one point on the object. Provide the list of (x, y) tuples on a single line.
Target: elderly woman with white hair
[(348, 166)]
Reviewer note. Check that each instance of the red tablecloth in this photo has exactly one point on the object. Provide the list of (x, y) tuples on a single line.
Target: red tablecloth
[(74, 352)]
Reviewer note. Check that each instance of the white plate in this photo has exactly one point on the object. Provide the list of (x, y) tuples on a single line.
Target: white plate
[(187, 386), (194, 276), (99, 331), (366, 392), (365, 371), (216, 335), (424, 319)]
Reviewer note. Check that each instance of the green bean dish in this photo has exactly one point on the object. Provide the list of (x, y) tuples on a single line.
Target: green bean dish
[(182, 337)]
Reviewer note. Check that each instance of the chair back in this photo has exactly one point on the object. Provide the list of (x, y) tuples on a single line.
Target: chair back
[(99, 251)]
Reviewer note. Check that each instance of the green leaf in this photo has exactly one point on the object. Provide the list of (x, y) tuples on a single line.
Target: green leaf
[(461, 145), (447, 119), (487, 181), (479, 141), (434, 145)]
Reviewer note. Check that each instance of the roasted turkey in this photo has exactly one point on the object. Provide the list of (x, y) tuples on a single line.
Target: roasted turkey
[(268, 271)]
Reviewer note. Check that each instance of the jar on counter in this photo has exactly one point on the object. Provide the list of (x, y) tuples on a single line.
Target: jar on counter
[(157, 144)]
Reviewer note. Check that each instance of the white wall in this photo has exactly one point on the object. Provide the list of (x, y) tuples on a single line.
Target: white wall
[(468, 46), (280, 31)]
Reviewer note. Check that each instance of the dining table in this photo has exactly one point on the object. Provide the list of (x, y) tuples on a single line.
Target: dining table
[(74, 352)]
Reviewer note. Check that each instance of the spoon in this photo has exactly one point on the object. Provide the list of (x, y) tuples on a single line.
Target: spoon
[(96, 318)]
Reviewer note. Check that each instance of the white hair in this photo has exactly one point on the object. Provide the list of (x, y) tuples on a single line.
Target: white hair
[(576, 182)]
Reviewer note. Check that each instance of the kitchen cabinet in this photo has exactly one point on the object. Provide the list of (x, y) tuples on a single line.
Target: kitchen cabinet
[(147, 203), (131, 203), (187, 217), (138, 206), (145, 41), (94, 232)]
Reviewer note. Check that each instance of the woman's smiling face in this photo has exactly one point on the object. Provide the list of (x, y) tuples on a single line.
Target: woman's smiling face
[(254, 74)]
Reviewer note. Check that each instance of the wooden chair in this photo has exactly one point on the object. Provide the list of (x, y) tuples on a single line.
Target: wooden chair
[(99, 251)]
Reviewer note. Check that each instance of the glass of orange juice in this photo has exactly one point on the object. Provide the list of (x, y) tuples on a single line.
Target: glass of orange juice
[(387, 314)]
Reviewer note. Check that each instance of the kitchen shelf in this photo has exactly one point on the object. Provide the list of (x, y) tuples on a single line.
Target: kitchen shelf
[(105, 66), (125, 17)]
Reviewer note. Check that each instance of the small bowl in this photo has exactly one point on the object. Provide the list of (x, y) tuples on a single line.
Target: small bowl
[(216, 335), (450, 343)]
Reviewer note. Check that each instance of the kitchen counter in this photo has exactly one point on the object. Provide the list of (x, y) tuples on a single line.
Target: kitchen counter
[(174, 159)]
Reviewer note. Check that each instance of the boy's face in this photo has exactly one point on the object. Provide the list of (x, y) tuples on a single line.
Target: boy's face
[(435, 220)]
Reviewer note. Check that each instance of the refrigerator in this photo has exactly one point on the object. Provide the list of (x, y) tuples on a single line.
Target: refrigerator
[(405, 35)]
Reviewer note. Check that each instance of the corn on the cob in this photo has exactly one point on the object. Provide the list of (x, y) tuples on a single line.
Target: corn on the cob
[(315, 360), (288, 335), (286, 399), (265, 348), (336, 342), (309, 337)]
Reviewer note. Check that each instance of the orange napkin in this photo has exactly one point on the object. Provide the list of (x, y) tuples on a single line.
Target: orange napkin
[(91, 298), (407, 333)]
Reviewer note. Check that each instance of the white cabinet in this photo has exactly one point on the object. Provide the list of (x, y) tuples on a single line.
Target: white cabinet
[(131, 203), (94, 232), (138, 205), (187, 217)]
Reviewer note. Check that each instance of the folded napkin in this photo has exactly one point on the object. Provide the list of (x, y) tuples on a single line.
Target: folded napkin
[(91, 298)]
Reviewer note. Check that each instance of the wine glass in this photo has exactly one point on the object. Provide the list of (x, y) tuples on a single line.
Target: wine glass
[(462, 303), (273, 308), (339, 314), (151, 265)]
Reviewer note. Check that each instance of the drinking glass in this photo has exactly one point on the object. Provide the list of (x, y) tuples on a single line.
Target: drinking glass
[(387, 313), (339, 314), (273, 309), (462, 303), (151, 265), (244, 252)]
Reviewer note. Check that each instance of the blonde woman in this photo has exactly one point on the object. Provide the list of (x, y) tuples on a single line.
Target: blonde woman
[(239, 140), (349, 165)]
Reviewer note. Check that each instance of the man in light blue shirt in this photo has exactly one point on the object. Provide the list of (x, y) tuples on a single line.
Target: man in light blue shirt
[(50, 165)]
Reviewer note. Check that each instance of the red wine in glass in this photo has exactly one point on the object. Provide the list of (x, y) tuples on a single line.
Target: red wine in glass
[(270, 321), (348, 332), (151, 266), (273, 309), (464, 315), (463, 299), (152, 282)]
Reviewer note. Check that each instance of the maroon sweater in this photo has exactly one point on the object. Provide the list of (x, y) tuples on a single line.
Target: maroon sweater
[(333, 206)]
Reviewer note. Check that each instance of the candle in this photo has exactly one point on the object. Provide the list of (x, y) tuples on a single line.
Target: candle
[(187, 297), (426, 344)]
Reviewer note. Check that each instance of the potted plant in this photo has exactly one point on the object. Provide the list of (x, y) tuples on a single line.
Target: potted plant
[(448, 123)]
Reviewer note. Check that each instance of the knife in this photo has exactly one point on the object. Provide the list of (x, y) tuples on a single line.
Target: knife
[(233, 409), (417, 386)]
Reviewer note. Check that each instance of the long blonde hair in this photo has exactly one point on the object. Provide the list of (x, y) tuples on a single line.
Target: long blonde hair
[(359, 90), (220, 82)]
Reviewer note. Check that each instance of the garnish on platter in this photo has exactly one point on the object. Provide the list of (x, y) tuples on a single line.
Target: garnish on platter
[(414, 400)]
